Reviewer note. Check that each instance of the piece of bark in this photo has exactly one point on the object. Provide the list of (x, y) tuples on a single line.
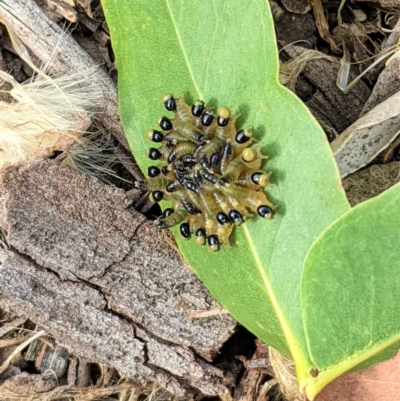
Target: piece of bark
[(97, 276), (100, 54), (9, 327), (57, 9), (54, 358), (333, 109), (389, 79), (48, 356), (26, 383), (72, 371), (364, 140), (256, 368), (83, 378), (42, 36), (11, 371)]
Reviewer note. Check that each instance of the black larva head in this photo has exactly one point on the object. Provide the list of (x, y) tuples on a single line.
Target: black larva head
[(156, 196), (185, 230), (165, 124), (243, 136), (172, 186), (167, 212), (153, 171), (198, 108), (188, 160), (154, 154), (169, 102), (155, 136), (200, 236), (213, 243), (222, 218), (224, 115), (255, 177), (236, 217), (164, 170), (260, 178), (266, 212), (207, 118)]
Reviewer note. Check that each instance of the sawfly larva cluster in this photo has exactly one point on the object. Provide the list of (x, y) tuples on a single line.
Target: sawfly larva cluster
[(208, 170)]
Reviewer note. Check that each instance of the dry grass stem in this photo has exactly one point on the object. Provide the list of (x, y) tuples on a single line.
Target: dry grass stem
[(74, 393), (201, 314), (18, 349), (9, 342), (290, 71), (285, 375)]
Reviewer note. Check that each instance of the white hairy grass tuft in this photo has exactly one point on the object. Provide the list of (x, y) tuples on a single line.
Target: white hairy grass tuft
[(46, 112)]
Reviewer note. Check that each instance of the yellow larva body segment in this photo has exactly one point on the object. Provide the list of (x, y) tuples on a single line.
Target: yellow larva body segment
[(224, 232), (195, 200), (182, 113), (209, 171), (253, 179), (183, 148), (209, 207), (174, 137), (221, 201), (239, 206), (234, 169), (257, 199), (172, 220), (152, 184), (196, 222), (211, 147), (190, 132)]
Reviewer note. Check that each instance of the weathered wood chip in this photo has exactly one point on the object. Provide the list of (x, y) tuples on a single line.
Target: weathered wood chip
[(360, 143), (101, 279)]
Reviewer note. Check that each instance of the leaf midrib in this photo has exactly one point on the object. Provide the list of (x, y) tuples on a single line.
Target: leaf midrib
[(290, 338), (183, 49)]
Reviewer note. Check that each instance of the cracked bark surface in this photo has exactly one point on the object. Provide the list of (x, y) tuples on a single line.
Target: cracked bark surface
[(101, 279)]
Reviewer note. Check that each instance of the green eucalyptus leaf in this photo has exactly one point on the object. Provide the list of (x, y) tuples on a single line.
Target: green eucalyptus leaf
[(223, 52), (351, 290)]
